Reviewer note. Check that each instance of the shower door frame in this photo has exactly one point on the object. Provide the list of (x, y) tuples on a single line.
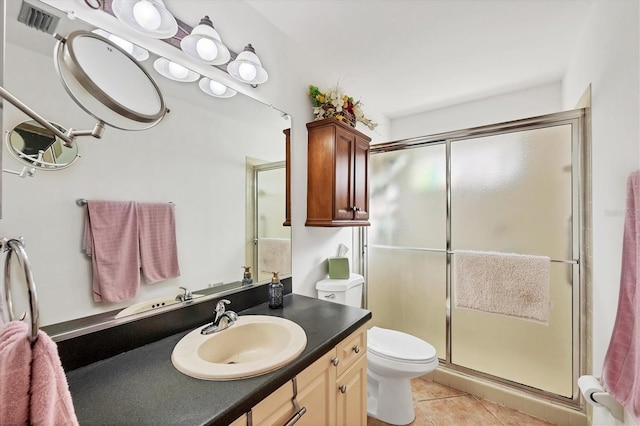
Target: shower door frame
[(575, 118)]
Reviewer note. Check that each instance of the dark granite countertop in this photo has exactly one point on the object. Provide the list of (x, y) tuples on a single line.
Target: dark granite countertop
[(141, 386)]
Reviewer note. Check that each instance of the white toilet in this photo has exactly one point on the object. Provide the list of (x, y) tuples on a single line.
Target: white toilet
[(393, 357)]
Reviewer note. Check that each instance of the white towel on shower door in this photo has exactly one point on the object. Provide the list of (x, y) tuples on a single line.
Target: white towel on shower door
[(503, 283)]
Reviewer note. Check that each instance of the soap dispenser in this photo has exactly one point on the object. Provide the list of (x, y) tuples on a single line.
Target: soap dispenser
[(246, 279), (276, 290)]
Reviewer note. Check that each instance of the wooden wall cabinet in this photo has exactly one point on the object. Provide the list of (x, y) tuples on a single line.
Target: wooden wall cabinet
[(337, 175), (333, 389)]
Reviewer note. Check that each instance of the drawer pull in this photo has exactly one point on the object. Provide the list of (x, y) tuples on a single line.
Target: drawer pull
[(335, 361), (343, 388), (356, 349)]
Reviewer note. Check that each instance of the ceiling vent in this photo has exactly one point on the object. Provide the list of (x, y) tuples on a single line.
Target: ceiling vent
[(37, 18)]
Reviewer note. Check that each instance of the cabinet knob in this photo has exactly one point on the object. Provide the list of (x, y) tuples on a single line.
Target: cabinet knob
[(335, 361), (356, 349), (355, 208), (343, 389)]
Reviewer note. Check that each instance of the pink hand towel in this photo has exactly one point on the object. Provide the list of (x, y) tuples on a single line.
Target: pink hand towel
[(111, 239), (15, 366), (158, 249), (50, 402), (621, 370)]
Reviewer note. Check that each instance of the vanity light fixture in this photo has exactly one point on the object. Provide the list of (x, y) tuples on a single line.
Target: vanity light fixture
[(215, 88), (137, 52), (149, 17), (174, 71), (204, 44), (247, 67)]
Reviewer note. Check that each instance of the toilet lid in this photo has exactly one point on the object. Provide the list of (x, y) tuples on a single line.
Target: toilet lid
[(398, 345)]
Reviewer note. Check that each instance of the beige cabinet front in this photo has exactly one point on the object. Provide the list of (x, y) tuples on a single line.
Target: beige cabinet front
[(331, 391)]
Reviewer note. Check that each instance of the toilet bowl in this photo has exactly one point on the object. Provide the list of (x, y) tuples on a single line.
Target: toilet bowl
[(393, 357)]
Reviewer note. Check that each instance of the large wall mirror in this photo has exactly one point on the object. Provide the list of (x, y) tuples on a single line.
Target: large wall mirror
[(202, 157)]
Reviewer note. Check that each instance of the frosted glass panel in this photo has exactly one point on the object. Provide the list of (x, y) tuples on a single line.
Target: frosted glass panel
[(407, 292), (523, 351), (408, 198), (512, 193)]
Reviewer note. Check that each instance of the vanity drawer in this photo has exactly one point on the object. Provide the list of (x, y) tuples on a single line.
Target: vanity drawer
[(351, 349)]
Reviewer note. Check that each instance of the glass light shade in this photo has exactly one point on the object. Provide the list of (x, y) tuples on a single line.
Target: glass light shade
[(215, 89), (174, 71), (204, 44), (247, 67), (148, 17), (136, 51)]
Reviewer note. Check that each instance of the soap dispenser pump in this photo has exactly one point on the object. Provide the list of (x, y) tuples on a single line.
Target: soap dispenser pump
[(246, 278), (276, 290)]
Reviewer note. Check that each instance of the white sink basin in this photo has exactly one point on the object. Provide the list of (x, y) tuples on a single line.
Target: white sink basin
[(254, 345), (151, 304)]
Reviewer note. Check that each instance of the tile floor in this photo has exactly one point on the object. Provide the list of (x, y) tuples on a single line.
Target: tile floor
[(439, 405)]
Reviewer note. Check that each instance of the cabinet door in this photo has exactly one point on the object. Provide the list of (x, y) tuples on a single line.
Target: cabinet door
[(240, 421), (343, 176), (276, 409), (316, 392), (352, 395), (361, 179)]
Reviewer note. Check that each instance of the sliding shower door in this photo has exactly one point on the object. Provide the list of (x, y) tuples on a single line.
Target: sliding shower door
[(512, 193), (506, 188), (406, 250)]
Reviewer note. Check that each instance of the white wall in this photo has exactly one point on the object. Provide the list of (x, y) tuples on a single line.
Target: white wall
[(531, 102), (608, 58), (291, 69)]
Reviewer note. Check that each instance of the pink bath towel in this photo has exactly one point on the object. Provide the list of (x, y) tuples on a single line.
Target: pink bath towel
[(15, 367), (621, 371), (111, 239), (158, 249), (50, 402)]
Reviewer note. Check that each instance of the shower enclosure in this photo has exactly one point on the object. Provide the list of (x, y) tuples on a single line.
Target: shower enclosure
[(510, 188), (271, 241)]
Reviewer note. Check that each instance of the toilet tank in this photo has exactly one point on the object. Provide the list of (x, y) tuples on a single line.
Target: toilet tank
[(346, 291)]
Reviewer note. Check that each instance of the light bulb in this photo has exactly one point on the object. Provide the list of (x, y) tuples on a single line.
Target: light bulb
[(177, 70), (206, 49), (247, 71), (217, 88), (146, 15), (124, 44)]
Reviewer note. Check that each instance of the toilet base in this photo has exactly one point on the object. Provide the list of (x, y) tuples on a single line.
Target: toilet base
[(389, 399)]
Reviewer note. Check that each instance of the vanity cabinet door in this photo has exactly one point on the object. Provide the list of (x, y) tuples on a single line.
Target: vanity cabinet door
[(276, 409), (240, 421), (351, 391), (316, 392)]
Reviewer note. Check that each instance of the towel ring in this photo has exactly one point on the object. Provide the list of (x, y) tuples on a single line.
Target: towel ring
[(16, 245)]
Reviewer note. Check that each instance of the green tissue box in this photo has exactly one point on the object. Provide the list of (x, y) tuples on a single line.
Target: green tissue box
[(338, 268)]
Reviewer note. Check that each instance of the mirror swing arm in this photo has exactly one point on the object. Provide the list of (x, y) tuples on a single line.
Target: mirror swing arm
[(68, 137)]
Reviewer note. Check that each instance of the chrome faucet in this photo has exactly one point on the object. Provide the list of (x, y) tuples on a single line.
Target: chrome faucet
[(186, 296), (223, 319)]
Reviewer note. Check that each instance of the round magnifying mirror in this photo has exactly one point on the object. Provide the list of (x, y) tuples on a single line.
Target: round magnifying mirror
[(38, 147), (107, 82)]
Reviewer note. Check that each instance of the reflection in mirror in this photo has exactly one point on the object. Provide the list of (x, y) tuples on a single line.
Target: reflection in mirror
[(38, 147), (196, 157)]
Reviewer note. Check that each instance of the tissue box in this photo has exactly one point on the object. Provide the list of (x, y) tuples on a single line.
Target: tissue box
[(338, 268)]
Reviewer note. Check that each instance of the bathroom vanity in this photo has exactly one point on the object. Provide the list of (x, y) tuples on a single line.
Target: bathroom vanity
[(141, 386)]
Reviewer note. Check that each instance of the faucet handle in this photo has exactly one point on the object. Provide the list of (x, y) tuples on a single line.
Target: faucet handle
[(220, 306), (185, 296)]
